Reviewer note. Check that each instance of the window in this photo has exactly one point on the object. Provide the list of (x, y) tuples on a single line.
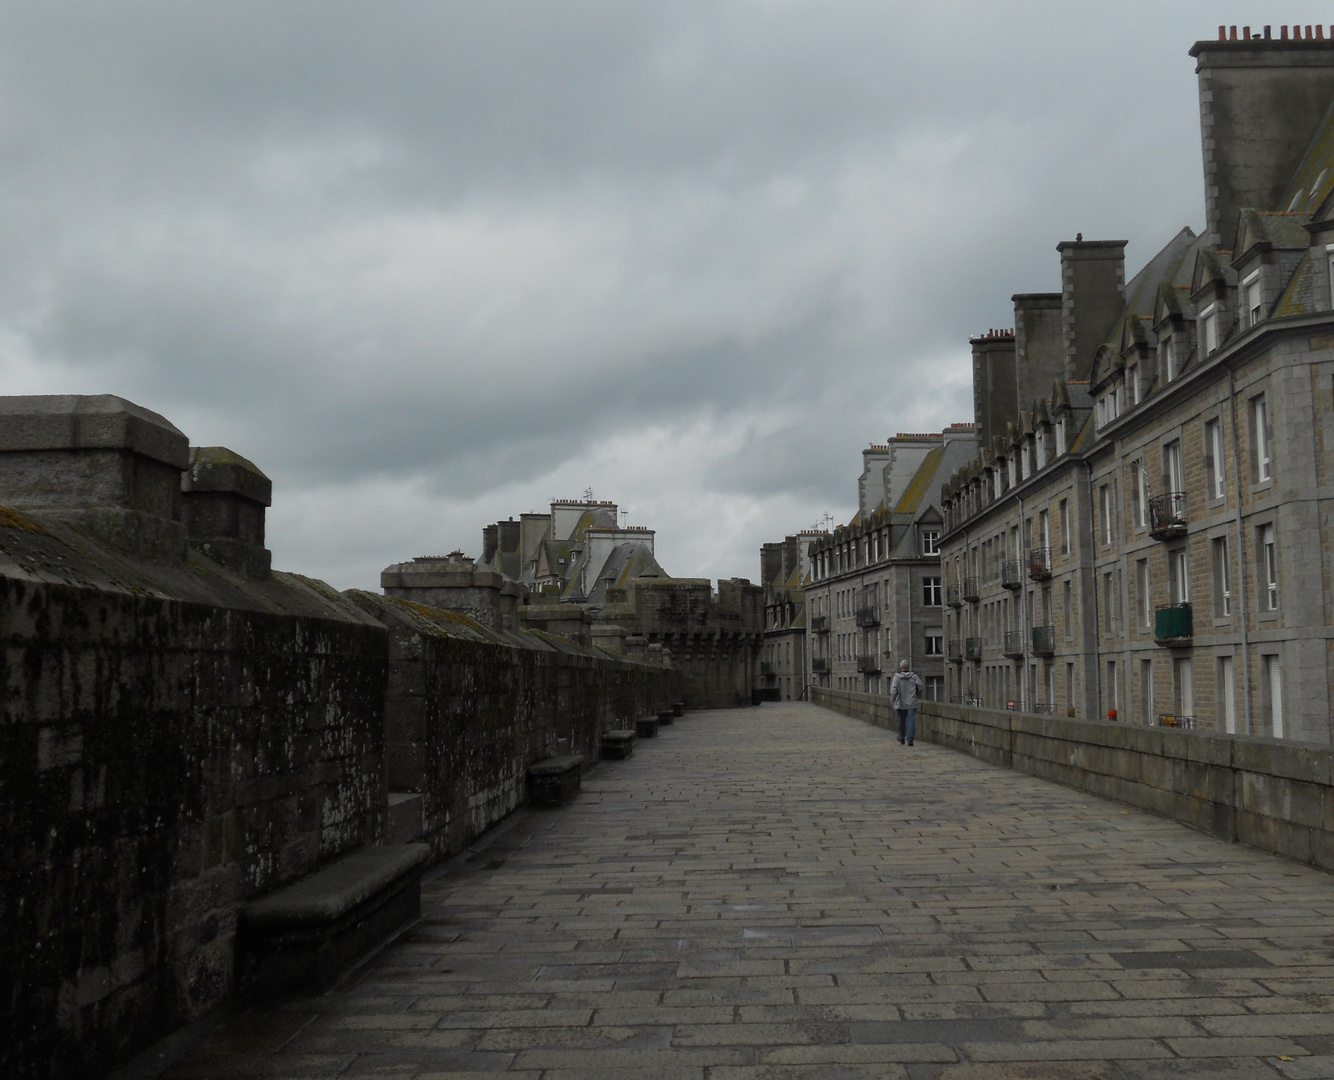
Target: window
[(935, 688), (1250, 298), (1068, 609), (1183, 686), (1113, 698), (1108, 605), (1222, 579), (1105, 511), (1146, 691), (1227, 693), (1065, 526), (934, 643), (931, 591), (1213, 458), (1178, 574), (1142, 595), (1260, 437), (1209, 332), (1132, 381), (1173, 473), (1329, 258), (930, 541), (1070, 687), (1268, 568), (1274, 687), (1139, 494), (1166, 359)]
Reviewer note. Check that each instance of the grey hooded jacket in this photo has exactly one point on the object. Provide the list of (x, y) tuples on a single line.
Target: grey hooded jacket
[(905, 690)]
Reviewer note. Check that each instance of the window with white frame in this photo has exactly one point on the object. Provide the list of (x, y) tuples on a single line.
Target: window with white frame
[(1174, 474), (1166, 360), (1222, 579), (1260, 437), (1268, 568), (931, 591), (1142, 593), (1250, 294), (1178, 575), (1132, 380), (1105, 512), (934, 643), (1209, 328), (930, 541), (1213, 458)]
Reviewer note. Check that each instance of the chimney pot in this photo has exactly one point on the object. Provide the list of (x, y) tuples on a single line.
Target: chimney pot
[(1283, 32), (1232, 33), (1266, 33), (1222, 33), (1319, 33), (1246, 33)]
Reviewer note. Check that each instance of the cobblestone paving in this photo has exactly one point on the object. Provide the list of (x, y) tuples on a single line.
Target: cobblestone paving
[(783, 892)]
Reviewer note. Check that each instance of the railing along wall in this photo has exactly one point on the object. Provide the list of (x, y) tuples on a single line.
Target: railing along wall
[(1270, 794)]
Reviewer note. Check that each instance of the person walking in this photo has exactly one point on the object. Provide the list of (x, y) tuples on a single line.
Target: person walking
[(905, 690)]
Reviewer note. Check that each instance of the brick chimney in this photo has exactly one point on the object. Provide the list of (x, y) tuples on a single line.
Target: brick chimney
[(1263, 97), (995, 397)]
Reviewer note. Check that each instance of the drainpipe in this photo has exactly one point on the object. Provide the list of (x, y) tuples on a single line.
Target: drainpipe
[(1023, 615), (1093, 586), (1241, 555)]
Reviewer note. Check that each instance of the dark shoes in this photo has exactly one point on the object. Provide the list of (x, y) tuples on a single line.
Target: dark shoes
[(900, 742), (910, 742)]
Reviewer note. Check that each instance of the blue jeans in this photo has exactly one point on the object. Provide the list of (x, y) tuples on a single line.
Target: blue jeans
[(907, 723)]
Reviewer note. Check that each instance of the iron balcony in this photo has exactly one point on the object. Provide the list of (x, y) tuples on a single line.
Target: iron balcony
[(868, 616), (954, 595), (1167, 515), (954, 650), (1012, 574), (1044, 641), (972, 648), (869, 665), (1176, 720), (820, 663), (971, 593), (1014, 644), (820, 624), (766, 668), (1172, 626), (1039, 563)]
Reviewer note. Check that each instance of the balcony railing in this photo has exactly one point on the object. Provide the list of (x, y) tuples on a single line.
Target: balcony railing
[(954, 651), (1172, 625), (868, 616), (766, 668), (973, 701), (1176, 720), (1039, 563), (954, 595), (1012, 574), (820, 663), (820, 624), (1167, 515), (1044, 641), (1014, 644), (972, 648), (1042, 708), (869, 665), (971, 592)]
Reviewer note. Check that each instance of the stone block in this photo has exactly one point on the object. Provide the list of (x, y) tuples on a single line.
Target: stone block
[(646, 727), (300, 937), (618, 745), (554, 781), (666, 717)]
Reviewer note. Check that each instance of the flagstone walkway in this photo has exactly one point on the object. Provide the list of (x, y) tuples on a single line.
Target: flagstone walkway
[(782, 892)]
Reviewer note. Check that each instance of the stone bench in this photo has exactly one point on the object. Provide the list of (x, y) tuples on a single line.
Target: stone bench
[(646, 727), (679, 708), (666, 717), (554, 781), (618, 745), (298, 939)]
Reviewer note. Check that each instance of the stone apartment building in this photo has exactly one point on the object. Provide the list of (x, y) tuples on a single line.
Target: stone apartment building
[(1147, 531), (785, 573), (875, 595)]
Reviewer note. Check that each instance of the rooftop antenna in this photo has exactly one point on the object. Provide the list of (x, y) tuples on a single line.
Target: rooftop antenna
[(826, 520), (588, 494), (625, 514)]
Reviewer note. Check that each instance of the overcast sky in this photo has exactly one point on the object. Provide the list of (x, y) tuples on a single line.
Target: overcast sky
[(433, 264)]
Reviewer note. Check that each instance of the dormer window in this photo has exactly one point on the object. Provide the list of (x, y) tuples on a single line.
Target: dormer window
[(1209, 331), (1250, 297), (1060, 438), (1132, 378), (1167, 359), (1329, 260)]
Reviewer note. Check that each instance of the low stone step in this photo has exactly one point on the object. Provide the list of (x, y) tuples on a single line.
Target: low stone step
[(405, 818), (666, 717), (297, 939), (646, 727)]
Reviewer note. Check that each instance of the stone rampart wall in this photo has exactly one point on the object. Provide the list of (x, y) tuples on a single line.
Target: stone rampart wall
[(1273, 794), (177, 739)]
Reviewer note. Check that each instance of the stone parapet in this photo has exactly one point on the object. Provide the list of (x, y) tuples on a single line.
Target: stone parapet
[(1276, 795)]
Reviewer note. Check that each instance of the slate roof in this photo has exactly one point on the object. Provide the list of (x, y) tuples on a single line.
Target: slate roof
[(1314, 179)]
